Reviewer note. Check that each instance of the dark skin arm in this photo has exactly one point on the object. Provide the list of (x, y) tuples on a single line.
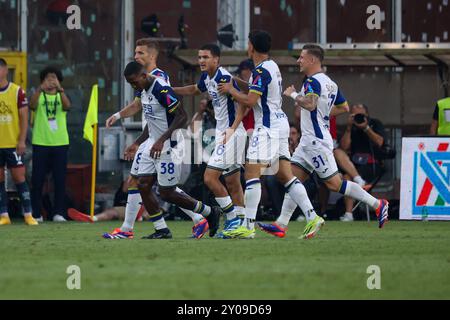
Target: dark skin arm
[(177, 123)]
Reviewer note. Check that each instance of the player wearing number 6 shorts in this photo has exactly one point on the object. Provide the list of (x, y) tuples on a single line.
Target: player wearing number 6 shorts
[(315, 151), (228, 155)]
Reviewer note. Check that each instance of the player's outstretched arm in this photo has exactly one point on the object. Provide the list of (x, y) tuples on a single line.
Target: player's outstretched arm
[(191, 90), (130, 110)]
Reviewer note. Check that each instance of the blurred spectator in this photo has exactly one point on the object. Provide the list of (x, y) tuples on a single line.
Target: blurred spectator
[(363, 139), (440, 125), (13, 132), (50, 141), (294, 137)]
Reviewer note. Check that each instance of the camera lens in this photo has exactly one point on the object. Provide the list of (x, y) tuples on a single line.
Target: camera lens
[(359, 118)]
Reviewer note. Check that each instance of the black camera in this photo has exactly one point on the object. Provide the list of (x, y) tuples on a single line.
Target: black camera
[(359, 118)]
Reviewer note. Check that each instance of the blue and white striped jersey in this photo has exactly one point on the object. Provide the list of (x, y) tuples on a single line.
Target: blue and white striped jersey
[(316, 124), (224, 105), (159, 103), (266, 81)]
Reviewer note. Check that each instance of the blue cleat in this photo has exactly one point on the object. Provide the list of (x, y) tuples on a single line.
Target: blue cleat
[(382, 213), (118, 234), (273, 229)]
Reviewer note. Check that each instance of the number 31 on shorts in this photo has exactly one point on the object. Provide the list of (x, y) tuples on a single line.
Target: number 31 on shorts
[(316, 161), (167, 168)]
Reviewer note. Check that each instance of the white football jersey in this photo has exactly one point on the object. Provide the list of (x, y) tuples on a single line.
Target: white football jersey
[(266, 81), (224, 105), (156, 73), (159, 103)]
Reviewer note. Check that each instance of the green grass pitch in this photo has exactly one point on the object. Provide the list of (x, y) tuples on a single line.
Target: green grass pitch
[(414, 259)]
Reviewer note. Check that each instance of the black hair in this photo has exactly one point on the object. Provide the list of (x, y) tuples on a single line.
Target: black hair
[(213, 48), (261, 40), (51, 69), (364, 106), (133, 68), (3, 62), (315, 50), (246, 65)]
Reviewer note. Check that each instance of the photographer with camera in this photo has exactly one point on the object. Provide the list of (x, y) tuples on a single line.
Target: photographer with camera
[(363, 140)]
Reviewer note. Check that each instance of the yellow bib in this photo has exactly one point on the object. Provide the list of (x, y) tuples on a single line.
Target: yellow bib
[(9, 117)]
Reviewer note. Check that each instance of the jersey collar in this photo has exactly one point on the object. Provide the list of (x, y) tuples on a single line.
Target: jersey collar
[(5, 88)]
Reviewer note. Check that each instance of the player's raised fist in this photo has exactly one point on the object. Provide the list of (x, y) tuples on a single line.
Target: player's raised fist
[(289, 91)]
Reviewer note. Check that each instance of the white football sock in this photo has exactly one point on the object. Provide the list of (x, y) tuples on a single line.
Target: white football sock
[(131, 210), (353, 190), (227, 207), (196, 218), (287, 210), (359, 181), (298, 193), (202, 209), (160, 224), (240, 212)]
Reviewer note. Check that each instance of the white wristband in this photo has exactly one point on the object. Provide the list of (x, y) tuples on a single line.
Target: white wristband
[(117, 115), (294, 95)]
